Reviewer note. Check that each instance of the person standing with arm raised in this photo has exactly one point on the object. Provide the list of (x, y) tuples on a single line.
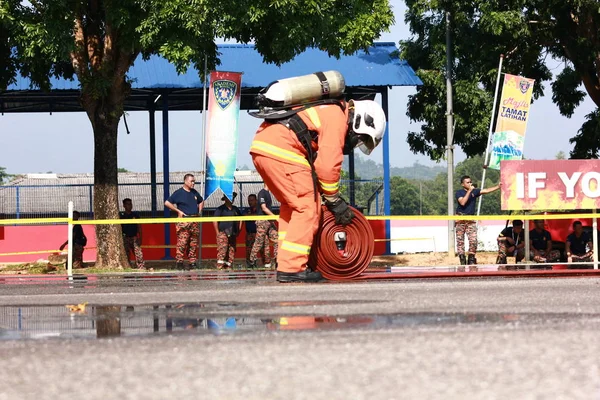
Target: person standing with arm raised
[(466, 206)]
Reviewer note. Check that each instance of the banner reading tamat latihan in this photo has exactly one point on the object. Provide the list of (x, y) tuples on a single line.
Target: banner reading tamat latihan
[(513, 114), (222, 131)]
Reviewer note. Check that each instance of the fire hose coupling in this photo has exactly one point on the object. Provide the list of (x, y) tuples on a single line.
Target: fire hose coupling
[(340, 242)]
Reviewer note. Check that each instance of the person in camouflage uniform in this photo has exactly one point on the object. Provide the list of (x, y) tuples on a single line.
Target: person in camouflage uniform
[(265, 251), (466, 198), (265, 230), (186, 202), (227, 232), (579, 245), (132, 234), (511, 241), (79, 242), (541, 243)]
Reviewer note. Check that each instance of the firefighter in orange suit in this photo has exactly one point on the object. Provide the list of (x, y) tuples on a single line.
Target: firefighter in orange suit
[(285, 166)]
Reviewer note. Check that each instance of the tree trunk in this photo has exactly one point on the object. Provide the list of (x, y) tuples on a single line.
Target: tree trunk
[(108, 324), (109, 238)]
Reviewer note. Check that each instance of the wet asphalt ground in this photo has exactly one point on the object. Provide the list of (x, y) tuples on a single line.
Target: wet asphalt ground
[(255, 339)]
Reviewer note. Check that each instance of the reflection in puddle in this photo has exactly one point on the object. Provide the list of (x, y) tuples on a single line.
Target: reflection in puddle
[(101, 321)]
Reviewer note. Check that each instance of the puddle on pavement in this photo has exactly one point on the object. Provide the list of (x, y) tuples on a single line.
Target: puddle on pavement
[(87, 321)]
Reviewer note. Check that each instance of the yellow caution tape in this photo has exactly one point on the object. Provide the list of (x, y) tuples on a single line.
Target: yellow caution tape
[(401, 239), (527, 217)]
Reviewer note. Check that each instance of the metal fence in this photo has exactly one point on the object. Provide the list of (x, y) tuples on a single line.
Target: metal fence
[(49, 201)]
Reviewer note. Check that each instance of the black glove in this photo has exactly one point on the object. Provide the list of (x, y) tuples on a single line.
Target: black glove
[(342, 212)]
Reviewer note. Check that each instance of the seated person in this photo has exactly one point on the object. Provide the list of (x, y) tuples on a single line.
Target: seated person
[(511, 242), (540, 241), (578, 243)]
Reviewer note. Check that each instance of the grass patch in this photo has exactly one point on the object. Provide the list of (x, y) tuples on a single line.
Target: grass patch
[(28, 268)]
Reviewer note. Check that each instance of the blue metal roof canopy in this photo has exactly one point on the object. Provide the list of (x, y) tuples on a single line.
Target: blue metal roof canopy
[(365, 75), (381, 67)]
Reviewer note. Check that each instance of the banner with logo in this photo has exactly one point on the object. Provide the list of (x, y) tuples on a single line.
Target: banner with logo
[(550, 185), (513, 114), (222, 131)]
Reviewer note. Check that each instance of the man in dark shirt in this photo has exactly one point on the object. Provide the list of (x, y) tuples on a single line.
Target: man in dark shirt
[(227, 232), (541, 244), (186, 202), (132, 234), (265, 230), (511, 242), (579, 245), (79, 242), (466, 198)]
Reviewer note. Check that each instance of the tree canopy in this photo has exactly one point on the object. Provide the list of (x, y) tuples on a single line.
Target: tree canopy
[(4, 176), (529, 33)]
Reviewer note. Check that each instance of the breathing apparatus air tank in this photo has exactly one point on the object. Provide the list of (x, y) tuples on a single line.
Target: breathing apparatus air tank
[(302, 89)]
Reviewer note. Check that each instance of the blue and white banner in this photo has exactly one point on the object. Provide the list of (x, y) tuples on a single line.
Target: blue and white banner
[(222, 131)]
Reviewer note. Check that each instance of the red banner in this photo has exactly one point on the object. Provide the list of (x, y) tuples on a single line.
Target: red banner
[(550, 184)]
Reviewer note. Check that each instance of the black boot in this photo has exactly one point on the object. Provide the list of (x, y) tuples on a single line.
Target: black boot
[(463, 260), (501, 259), (304, 276), (472, 260)]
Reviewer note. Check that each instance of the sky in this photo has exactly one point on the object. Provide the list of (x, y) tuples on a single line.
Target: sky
[(63, 142)]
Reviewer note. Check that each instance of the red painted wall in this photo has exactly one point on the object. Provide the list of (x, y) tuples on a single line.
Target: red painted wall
[(49, 237)]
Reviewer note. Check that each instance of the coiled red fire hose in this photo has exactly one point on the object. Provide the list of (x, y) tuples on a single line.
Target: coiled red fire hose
[(355, 257)]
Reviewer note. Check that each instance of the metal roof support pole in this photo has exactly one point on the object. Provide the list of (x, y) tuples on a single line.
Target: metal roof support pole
[(351, 172), (386, 169), (166, 183), (450, 138), (153, 200)]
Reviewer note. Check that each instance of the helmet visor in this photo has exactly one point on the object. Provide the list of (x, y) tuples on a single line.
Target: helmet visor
[(365, 145)]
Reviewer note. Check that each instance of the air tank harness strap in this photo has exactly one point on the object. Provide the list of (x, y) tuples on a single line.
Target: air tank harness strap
[(305, 136)]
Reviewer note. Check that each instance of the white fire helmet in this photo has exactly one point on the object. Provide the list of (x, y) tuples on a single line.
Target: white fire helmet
[(369, 122)]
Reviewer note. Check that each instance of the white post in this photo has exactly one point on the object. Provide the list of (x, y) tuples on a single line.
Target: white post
[(487, 147), (70, 244), (527, 249), (203, 187), (595, 241)]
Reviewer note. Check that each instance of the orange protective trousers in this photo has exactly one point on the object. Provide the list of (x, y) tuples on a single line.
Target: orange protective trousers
[(299, 214)]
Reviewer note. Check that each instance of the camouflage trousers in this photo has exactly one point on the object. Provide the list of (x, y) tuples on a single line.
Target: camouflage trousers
[(264, 253), (77, 255), (265, 232), (506, 250), (470, 229), (552, 256), (187, 241), (132, 245), (587, 257), (226, 246)]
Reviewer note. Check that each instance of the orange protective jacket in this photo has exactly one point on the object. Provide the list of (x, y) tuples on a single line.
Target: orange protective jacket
[(329, 121)]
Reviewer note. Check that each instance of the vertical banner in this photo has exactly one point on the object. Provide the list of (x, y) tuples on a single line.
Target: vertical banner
[(513, 114), (222, 131)]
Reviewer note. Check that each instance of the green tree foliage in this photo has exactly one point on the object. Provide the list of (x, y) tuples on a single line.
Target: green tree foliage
[(4, 176), (98, 41), (409, 196), (406, 198), (527, 32)]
